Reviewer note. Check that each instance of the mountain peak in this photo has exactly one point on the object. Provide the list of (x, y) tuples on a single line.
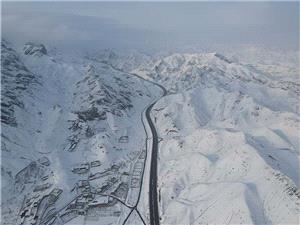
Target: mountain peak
[(31, 48), (222, 57)]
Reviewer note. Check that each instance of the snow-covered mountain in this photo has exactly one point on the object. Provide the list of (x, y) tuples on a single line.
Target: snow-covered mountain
[(74, 137), (69, 123), (229, 142), (16, 79)]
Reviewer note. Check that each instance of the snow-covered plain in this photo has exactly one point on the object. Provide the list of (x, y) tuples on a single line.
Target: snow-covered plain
[(72, 136)]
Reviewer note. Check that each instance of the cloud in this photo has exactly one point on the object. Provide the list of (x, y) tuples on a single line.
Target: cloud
[(69, 31), (151, 26)]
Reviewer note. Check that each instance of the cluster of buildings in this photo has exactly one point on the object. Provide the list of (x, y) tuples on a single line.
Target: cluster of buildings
[(88, 191), (85, 167), (137, 171), (90, 202), (98, 195)]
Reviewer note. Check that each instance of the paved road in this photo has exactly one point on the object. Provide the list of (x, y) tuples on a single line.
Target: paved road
[(153, 199)]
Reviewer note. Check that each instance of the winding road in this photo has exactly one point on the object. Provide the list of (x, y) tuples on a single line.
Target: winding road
[(153, 197), (153, 202)]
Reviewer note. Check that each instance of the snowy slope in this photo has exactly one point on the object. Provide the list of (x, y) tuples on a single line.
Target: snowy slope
[(73, 141), (68, 123), (230, 143)]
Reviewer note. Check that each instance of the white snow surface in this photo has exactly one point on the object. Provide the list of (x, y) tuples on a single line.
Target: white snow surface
[(229, 134), (230, 142), (75, 115)]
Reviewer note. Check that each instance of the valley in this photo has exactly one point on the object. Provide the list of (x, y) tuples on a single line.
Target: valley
[(115, 138)]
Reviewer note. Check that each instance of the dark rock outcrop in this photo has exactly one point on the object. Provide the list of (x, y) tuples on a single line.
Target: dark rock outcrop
[(34, 49), (15, 79)]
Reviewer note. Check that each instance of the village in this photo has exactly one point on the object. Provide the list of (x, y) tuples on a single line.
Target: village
[(100, 194)]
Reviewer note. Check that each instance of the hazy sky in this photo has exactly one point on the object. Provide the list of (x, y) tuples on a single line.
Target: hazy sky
[(152, 26)]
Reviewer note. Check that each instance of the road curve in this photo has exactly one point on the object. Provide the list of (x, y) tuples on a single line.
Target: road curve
[(153, 199)]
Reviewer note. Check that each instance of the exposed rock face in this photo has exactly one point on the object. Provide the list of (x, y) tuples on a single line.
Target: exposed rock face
[(96, 97), (15, 79), (222, 57), (91, 114), (34, 49)]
